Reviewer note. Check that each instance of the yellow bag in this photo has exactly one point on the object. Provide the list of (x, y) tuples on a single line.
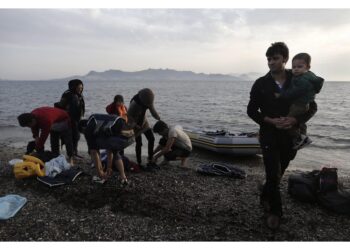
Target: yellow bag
[(33, 159), (31, 166)]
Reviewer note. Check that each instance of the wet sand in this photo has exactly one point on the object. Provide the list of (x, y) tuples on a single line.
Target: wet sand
[(170, 204)]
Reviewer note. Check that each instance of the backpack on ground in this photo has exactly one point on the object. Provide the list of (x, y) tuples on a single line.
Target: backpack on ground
[(328, 180), (337, 201), (304, 186)]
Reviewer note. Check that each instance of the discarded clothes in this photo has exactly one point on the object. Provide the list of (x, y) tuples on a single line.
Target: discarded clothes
[(56, 166), (222, 169), (10, 205), (65, 177)]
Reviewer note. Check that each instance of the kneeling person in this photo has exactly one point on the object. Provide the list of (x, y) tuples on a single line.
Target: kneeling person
[(175, 144)]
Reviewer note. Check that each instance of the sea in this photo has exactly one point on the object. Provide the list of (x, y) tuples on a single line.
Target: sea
[(207, 105)]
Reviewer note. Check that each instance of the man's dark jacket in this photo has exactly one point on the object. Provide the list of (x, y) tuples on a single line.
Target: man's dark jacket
[(264, 103)]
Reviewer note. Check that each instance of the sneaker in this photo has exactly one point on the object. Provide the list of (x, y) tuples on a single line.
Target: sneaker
[(147, 168), (153, 165), (97, 179), (124, 183), (302, 142)]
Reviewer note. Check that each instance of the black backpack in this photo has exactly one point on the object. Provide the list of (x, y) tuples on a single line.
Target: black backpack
[(104, 125), (337, 201), (304, 186), (328, 180)]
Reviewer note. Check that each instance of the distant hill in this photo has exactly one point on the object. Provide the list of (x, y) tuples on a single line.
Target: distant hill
[(154, 74)]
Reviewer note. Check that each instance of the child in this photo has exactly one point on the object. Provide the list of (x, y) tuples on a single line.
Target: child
[(175, 144), (117, 107), (304, 86)]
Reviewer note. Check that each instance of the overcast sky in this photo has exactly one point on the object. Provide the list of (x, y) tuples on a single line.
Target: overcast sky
[(53, 43)]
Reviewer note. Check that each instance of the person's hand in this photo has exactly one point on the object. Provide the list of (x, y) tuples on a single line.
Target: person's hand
[(273, 121), (103, 175), (280, 122), (287, 122), (154, 159)]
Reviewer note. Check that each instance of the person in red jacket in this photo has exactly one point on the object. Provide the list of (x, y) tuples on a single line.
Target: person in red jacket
[(117, 107), (48, 120)]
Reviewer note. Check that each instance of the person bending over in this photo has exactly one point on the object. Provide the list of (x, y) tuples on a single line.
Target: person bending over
[(174, 145), (48, 120)]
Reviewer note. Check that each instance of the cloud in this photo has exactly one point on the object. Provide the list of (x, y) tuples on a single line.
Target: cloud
[(74, 41)]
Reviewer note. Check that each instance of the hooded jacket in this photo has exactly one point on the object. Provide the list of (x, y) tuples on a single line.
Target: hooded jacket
[(73, 102), (303, 88), (139, 104)]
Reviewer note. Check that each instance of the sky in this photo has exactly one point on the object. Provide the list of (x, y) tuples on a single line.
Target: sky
[(40, 44)]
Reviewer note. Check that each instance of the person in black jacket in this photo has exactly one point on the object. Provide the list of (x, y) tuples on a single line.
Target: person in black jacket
[(271, 114), (73, 102)]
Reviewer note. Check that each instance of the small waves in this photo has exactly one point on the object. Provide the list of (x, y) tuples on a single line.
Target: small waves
[(4, 126), (331, 139), (331, 146)]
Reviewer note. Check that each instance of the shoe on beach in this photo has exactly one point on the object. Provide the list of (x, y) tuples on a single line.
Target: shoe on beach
[(273, 221), (152, 165), (97, 179), (78, 156), (302, 142), (124, 183)]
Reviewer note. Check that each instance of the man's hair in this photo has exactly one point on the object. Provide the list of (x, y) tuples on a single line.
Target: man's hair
[(278, 48), (303, 56), (72, 84), (25, 119), (159, 127), (118, 98)]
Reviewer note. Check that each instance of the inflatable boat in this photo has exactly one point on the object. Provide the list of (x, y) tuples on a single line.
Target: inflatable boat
[(224, 142)]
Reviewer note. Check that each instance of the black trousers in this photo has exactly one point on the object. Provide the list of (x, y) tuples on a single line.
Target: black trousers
[(138, 148), (66, 135), (75, 136), (276, 160)]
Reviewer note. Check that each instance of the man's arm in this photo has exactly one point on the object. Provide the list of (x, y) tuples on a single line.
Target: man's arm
[(44, 133), (166, 149), (253, 108)]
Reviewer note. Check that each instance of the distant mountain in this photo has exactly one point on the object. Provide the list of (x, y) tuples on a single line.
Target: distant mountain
[(154, 74), (251, 76)]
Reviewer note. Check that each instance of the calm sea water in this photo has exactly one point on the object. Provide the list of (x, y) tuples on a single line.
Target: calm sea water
[(206, 105)]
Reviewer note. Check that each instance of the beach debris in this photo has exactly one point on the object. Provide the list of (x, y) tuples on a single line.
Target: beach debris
[(10, 205)]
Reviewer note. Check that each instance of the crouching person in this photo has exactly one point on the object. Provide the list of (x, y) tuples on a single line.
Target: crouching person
[(175, 144), (108, 132), (48, 120)]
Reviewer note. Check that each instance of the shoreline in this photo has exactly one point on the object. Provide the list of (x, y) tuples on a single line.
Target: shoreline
[(170, 204)]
